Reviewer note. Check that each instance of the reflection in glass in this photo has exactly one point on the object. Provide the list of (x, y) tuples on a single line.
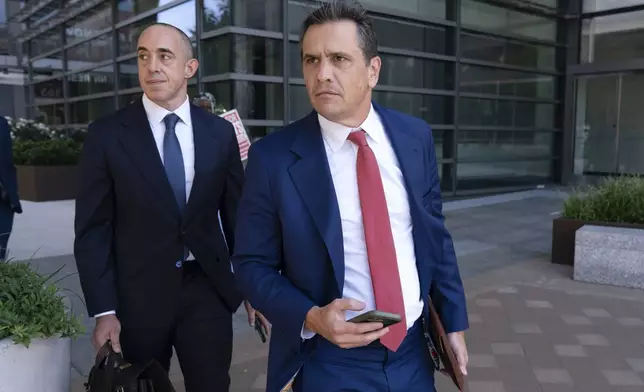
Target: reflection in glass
[(216, 14), (49, 90), (50, 65), (89, 23), (502, 145), (495, 81), (89, 53), (602, 5), (128, 74), (504, 113), (250, 55), (404, 71), (483, 175), (436, 110), (253, 100), (82, 112), (613, 38), (258, 14), (127, 9), (47, 41), (53, 114), (413, 36), (496, 19), (505, 51), (182, 16), (97, 81), (428, 8)]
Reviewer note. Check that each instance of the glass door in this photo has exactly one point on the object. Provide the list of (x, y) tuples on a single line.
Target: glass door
[(597, 124), (630, 135)]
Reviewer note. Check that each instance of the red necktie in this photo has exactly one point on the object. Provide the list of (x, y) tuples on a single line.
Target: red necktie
[(379, 239)]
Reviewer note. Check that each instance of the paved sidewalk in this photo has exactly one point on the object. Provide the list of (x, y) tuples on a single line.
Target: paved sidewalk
[(532, 327)]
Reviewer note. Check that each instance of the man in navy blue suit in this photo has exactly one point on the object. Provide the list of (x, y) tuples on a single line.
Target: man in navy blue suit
[(9, 200), (342, 214)]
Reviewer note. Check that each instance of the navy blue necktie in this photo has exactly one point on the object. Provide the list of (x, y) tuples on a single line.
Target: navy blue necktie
[(173, 160)]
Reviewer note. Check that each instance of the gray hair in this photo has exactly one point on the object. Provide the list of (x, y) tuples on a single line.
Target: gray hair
[(350, 10)]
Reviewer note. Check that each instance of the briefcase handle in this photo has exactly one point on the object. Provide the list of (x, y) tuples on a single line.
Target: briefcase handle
[(107, 352)]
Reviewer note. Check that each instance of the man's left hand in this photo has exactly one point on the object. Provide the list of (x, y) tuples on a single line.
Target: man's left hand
[(457, 340), (255, 316)]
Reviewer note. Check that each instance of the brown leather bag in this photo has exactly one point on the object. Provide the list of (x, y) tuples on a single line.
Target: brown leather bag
[(441, 350)]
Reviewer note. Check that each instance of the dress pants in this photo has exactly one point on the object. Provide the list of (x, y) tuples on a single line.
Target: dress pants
[(372, 368), (202, 335), (6, 225)]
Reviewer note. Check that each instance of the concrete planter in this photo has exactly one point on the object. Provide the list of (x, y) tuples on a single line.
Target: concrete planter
[(44, 367)]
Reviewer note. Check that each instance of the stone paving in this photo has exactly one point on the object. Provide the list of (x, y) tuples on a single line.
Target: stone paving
[(532, 327)]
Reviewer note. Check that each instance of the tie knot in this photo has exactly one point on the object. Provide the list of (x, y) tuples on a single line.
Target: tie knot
[(358, 138), (170, 121)]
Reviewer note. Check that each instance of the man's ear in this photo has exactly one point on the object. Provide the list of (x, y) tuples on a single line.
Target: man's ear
[(374, 71), (191, 68)]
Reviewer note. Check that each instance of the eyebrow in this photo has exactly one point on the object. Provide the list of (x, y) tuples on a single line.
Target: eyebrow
[(160, 50)]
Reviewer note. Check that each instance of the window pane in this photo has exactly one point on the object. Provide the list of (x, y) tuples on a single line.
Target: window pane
[(128, 74), (84, 112), (613, 38), (216, 14), (100, 80), (127, 9), (413, 36), (502, 174), (503, 51), (182, 16), (405, 71), (251, 55), (50, 65), (89, 23), (253, 100), (50, 114), (487, 112), (49, 90), (258, 14), (496, 81), (90, 53), (46, 42), (506, 21), (500, 145), (436, 110), (602, 5), (428, 8), (297, 12)]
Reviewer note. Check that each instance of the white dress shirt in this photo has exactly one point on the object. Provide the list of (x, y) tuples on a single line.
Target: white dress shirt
[(183, 129), (342, 155)]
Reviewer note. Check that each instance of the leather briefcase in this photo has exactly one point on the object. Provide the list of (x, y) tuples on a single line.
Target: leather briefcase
[(111, 373), (441, 350)]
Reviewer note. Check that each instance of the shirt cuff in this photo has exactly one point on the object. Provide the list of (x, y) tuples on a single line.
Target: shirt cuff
[(307, 334), (104, 314)]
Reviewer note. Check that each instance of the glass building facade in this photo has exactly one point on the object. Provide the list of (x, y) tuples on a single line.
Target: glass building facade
[(489, 76)]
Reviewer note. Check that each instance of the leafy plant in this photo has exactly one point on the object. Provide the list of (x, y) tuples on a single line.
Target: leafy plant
[(616, 199), (32, 307), (46, 152)]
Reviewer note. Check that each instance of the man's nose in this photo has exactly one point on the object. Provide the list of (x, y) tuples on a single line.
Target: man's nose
[(324, 71), (153, 64)]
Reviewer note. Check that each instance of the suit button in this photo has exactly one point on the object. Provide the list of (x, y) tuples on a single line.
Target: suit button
[(178, 264)]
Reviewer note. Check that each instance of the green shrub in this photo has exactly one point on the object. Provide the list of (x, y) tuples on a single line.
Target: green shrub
[(617, 199), (32, 307), (46, 152)]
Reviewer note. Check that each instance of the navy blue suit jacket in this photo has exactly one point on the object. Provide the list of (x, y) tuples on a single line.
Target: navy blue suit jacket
[(289, 252), (7, 168)]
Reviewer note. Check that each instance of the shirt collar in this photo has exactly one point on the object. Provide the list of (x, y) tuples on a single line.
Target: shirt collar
[(156, 113), (335, 135)]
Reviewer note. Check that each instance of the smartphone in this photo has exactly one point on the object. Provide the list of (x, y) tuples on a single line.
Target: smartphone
[(377, 316), (260, 330)]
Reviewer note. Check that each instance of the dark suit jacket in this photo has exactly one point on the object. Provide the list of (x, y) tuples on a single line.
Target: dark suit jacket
[(8, 179), (289, 252), (130, 233)]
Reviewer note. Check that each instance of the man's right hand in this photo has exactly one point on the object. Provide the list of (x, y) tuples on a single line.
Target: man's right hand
[(107, 328), (330, 322)]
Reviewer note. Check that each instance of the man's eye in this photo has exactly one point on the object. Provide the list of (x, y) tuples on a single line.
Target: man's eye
[(340, 58), (143, 56), (165, 57), (311, 60)]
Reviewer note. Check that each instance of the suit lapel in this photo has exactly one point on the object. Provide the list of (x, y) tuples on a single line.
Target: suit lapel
[(138, 142), (312, 179), (207, 154)]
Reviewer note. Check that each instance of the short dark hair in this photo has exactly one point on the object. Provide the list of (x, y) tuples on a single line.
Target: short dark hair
[(351, 10), (185, 40)]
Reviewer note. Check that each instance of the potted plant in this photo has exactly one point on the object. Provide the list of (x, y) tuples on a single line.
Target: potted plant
[(45, 160), (36, 328), (617, 202)]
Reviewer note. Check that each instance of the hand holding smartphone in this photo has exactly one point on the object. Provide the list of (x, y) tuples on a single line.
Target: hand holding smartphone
[(377, 316), (259, 327)]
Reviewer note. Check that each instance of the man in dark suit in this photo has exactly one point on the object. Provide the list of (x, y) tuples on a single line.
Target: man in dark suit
[(153, 262), (341, 214), (9, 200)]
